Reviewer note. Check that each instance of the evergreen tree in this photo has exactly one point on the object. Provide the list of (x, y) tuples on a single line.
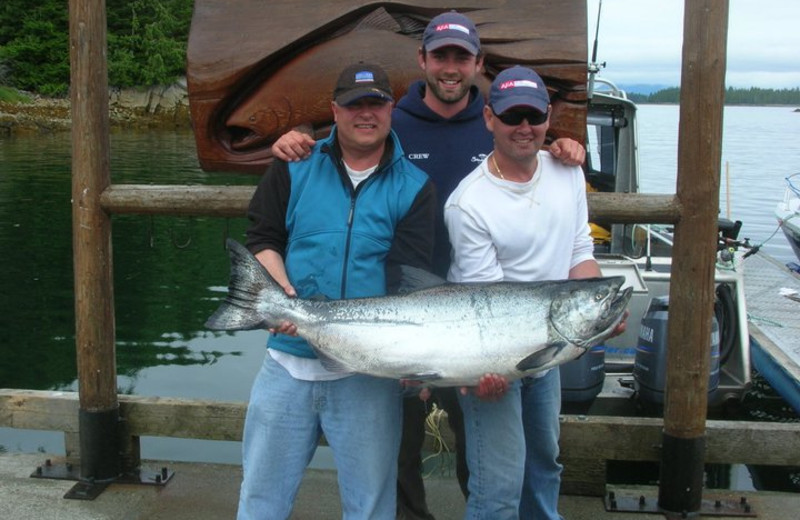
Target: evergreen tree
[(34, 46), (146, 43), (733, 96)]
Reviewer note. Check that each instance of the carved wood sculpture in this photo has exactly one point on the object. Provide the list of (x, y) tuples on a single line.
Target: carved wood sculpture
[(257, 69)]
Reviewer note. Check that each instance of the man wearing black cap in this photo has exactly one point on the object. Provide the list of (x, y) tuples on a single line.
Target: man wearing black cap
[(519, 216), (339, 226)]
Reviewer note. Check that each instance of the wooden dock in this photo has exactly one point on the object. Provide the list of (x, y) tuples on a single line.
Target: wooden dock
[(210, 492), (587, 441)]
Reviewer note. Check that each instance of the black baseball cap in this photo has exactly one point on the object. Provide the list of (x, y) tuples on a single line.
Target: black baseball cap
[(362, 80)]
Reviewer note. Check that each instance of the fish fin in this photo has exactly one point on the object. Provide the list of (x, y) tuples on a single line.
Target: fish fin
[(415, 279), (318, 297), (309, 285), (410, 25), (330, 364), (248, 280), (381, 19), (378, 19), (541, 357)]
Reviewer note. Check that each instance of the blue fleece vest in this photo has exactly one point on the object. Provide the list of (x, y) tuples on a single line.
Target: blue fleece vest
[(338, 238)]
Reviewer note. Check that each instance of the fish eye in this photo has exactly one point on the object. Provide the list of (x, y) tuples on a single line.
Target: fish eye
[(599, 296)]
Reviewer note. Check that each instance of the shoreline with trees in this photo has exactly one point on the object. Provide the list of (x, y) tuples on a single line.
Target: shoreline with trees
[(752, 96), (147, 41)]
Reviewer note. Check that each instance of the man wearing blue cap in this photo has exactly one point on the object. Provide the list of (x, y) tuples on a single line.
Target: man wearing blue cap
[(520, 215), (440, 124), (305, 231)]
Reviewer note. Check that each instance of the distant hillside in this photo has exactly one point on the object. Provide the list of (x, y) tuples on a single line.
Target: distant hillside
[(733, 96)]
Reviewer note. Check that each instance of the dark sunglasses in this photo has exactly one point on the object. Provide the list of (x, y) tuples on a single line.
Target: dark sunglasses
[(533, 117)]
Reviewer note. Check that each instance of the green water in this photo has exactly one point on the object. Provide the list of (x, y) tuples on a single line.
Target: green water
[(169, 273), (164, 267)]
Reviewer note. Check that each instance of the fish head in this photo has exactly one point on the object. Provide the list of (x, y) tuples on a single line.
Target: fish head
[(587, 311), (252, 125)]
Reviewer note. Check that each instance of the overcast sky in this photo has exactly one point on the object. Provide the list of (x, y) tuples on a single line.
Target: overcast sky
[(641, 40)]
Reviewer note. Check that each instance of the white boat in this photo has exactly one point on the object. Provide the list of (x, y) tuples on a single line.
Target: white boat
[(788, 213), (634, 364)]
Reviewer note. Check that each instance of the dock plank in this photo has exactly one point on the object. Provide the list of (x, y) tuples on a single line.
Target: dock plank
[(582, 437), (210, 491)]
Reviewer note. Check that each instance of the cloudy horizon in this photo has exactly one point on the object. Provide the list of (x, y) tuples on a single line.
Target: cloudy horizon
[(641, 41)]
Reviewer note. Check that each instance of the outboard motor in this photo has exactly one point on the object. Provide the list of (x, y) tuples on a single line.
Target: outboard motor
[(582, 380), (650, 362)]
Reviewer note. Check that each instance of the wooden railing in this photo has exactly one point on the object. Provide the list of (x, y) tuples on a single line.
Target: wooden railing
[(587, 442), (232, 201)]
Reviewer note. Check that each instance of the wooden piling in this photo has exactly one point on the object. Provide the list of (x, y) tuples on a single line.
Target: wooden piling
[(694, 254), (91, 242)]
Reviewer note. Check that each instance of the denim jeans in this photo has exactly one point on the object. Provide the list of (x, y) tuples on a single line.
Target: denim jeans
[(541, 406), (495, 455), (360, 417)]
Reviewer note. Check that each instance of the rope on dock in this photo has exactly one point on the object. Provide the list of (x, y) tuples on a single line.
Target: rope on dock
[(441, 450)]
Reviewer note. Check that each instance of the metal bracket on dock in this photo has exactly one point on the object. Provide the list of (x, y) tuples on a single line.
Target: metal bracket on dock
[(89, 489), (615, 502)]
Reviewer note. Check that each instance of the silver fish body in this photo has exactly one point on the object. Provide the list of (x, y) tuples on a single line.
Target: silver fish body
[(446, 335)]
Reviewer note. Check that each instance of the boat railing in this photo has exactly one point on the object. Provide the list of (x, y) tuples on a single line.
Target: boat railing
[(655, 232), (791, 187), (789, 208), (612, 90)]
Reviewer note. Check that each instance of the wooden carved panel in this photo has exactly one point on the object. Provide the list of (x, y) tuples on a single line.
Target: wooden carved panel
[(259, 68)]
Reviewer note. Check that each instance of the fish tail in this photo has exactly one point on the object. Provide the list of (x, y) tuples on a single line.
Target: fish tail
[(250, 290)]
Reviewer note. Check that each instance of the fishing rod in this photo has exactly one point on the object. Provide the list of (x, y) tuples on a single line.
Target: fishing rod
[(595, 67)]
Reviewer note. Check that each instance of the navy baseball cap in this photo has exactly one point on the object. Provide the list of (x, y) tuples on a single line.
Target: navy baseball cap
[(362, 80), (451, 28), (518, 86)]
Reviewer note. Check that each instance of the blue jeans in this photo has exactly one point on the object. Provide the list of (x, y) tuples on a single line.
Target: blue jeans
[(495, 455), (541, 406), (360, 417)]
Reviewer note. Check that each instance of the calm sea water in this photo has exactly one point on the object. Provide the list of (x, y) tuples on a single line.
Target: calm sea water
[(169, 272), (758, 152)]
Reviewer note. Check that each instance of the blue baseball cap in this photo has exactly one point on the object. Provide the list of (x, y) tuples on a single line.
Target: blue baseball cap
[(518, 86), (451, 28)]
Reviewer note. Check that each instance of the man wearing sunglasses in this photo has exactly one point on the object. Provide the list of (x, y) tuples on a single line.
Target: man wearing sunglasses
[(521, 215)]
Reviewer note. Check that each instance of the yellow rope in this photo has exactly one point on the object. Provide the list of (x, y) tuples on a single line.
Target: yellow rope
[(440, 448)]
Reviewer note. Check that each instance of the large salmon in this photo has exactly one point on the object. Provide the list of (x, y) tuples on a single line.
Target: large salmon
[(445, 335)]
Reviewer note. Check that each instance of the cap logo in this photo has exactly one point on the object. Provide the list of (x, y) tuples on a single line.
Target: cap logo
[(452, 26), (518, 83), (365, 77)]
